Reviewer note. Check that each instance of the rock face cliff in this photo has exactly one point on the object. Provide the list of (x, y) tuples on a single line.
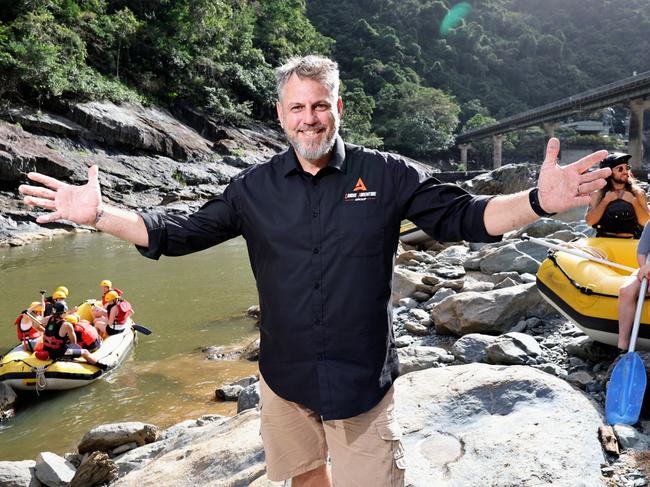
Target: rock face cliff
[(147, 156)]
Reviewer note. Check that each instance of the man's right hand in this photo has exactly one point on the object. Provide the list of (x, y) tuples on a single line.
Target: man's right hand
[(78, 204)]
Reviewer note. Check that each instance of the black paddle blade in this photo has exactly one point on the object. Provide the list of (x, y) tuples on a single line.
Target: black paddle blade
[(142, 329)]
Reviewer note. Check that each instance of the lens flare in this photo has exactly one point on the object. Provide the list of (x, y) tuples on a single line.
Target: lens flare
[(455, 15)]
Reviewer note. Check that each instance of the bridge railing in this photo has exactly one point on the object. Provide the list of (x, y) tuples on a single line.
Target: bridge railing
[(551, 110)]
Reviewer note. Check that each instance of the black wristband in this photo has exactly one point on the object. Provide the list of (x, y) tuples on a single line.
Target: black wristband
[(533, 198)]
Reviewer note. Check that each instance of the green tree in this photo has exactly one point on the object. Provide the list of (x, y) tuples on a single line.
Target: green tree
[(358, 107), (416, 120)]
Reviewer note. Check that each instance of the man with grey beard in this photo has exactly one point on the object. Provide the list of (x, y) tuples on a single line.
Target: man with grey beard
[(321, 222)]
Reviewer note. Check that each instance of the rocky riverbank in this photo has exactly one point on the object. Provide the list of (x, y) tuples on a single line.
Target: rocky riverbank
[(497, 389)]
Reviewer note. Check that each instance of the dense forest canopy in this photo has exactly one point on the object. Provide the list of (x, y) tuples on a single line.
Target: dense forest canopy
[(407, 84)]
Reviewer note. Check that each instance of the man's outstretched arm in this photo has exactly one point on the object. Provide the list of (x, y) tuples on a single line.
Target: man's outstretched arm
[(83, 205), (559, 189)]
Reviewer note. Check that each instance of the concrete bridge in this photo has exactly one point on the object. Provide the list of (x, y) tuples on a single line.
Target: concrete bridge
[(632, 92)]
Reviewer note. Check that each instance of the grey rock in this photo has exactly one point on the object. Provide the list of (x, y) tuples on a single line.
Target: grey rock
[(421, 296), (122, 448), (580, 379), (53, 470), (472, 347), (453, 255), (249, 397), (507, 179), (105, 437), (414, 255), (226, 453), (7, 401), (416, 328), (408, 302), (421, 357), (542, 228), (405, 283), (420, 315), (627, 435), (441, 294), (491, 312), (509, 258), (229, 392), (19, 474), (587, 349), (480, 425), (477, 286), (447, 271), (507, 282), (404, 341), (513, 349)]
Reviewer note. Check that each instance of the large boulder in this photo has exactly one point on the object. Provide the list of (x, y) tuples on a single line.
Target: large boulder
[(7, 401), (53, 470), (227, 452), (405, 283), (105, 437), (479, 425), (492, 312), (19, 474), (150, 129), (507, 179)]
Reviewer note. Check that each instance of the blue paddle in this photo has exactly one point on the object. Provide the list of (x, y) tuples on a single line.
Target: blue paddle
[(628, 381)]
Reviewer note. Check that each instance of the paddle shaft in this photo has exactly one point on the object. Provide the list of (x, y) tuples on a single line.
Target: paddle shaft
[(577, 253), (637, 315)]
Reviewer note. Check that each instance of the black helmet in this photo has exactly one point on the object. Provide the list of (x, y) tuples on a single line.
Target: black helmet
[(59, 307), (614, 159)]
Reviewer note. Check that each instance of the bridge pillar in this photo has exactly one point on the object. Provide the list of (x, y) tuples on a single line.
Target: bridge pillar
[(635, 140), (549, 128), (463, 154), (497, 147)]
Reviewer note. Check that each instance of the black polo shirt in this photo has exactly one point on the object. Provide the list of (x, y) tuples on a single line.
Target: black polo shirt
[(321, 249)]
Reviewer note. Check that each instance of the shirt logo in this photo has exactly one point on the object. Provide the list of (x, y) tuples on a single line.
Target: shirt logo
[(360, 186), (360, 192)]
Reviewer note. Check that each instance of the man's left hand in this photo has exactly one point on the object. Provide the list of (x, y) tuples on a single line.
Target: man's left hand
[(565, 187)]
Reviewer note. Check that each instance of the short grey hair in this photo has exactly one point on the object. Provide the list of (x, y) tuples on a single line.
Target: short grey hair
[(318, 68)]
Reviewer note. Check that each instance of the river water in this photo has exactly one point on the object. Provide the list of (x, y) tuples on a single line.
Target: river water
[(188, 302)]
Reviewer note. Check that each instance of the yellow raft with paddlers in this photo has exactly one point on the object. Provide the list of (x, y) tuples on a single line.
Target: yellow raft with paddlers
[(585, 290), (23, 371)]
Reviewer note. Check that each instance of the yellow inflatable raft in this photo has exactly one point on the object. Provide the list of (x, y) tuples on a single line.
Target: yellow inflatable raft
[(23, 371), (586, 292), (410, 234)]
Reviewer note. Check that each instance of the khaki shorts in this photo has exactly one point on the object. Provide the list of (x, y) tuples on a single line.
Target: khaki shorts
[(364, 450)]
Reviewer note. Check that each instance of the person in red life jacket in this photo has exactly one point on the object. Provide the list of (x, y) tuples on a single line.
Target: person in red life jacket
[(59, 339), (107, 286), (29, 329), (118, 312), (86, 333)]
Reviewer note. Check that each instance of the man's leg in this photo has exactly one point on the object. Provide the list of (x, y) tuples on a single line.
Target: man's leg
[(366, 450), (627, 297), (318, 477), (294, 441)]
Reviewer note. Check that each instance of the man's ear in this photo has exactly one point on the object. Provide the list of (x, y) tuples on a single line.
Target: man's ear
[(339, 106)]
